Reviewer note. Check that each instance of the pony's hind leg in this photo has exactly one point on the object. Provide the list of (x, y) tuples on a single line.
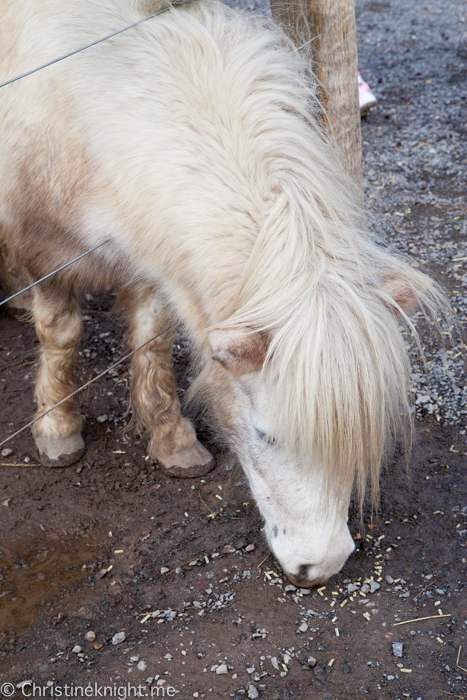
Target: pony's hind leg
[(157, 412), (58, 324)]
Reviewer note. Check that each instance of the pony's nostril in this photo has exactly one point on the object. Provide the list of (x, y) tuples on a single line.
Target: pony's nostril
[(303, 571)]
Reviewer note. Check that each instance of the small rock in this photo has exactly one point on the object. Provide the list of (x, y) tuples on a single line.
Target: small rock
[(102, 419), (142, 665), (100, 574), (397, 649), (374, 585), (228, 549), (7, 452), (168, 657), (311, 661), (351, 588), (290, 588), (222, 669), (250, 548), (303, 627), (164, 570), (118, 638), (134, 659), (252, 692), (90, 636), (251, 670), (287, 659), (76, 649), (275, 663), (365, 588), (61, 616), (389, 579)]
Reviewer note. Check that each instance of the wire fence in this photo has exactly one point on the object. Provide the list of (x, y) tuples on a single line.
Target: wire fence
[(91, 250), (84, 386), (93, 43)]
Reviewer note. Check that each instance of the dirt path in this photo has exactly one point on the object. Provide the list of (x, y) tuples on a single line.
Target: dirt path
[(181, 568)]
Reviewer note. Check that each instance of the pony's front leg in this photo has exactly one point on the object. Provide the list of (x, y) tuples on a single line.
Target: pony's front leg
[(58, 324), (172, 438)]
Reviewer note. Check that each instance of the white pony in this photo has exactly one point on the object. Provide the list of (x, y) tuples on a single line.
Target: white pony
[(193, 143)]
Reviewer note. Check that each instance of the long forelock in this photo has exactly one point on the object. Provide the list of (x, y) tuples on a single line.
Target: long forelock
[(337, 365)]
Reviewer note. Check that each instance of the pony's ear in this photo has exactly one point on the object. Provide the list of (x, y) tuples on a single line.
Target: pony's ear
[(403, 294), (239, 351)]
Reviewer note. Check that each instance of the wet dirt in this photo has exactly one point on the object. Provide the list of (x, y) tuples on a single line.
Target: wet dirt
[(34, 574), (181, 568)]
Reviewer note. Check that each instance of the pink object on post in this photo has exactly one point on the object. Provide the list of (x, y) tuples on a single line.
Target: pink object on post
[(365, 97)]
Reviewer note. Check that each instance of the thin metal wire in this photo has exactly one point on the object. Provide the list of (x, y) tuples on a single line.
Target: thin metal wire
[(93, 43), (53, 273), (84, 386)]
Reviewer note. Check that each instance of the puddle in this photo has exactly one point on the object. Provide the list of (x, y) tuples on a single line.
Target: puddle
[(35, 573)]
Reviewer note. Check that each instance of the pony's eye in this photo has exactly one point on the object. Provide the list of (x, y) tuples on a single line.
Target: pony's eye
[(262, 436)]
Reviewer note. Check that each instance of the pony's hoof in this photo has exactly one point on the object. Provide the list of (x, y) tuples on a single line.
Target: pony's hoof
[(60, 451), (188, 464)]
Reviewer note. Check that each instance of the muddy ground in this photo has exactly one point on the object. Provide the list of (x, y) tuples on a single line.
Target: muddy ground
[(112, 546)]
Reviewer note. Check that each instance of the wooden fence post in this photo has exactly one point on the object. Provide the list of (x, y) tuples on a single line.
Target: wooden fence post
[(331, 26)]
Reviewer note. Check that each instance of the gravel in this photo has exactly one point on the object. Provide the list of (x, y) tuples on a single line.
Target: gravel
[(415, 170), (118, 638)]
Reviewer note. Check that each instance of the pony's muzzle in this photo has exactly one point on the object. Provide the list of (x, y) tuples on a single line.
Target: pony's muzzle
[(308, 575), (305, 577)]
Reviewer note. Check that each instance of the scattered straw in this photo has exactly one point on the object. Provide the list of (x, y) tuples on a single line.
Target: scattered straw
[(19, 364), (127, 594), (457, 662), (262, 562), (419, 619), (204, 502), (19, 464)]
